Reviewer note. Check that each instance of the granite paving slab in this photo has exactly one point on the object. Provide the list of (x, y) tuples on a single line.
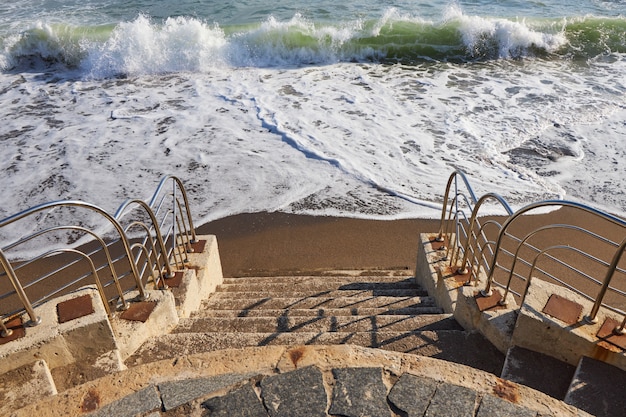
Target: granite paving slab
[(142, 401), (300, 393), (452, 401), (176, 393), (242, 402), (491, 406), (359, 392), (412, 394)]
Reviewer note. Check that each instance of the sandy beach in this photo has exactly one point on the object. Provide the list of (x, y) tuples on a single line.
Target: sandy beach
[(270, 242), (259, 243)]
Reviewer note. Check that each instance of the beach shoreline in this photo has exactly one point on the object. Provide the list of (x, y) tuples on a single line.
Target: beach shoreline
[(275, 242)]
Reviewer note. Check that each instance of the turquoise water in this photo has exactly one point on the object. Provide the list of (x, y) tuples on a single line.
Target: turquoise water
[(79, 34)]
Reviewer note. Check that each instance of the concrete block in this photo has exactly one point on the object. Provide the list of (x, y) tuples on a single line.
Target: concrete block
[(207, 265), (25, 385), (497, 325), (130, 334), (447, 287), (538, 371), (541, 332), (187, 295), (78, 373), (83, 339), (430, 273)]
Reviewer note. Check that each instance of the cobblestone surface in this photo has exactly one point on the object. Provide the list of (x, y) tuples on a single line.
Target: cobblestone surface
[(350, 392)]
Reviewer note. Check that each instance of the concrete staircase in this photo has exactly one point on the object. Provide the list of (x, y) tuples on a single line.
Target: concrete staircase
[(253, 327), (380, 309)]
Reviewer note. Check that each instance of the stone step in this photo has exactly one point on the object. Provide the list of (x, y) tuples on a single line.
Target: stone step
[(539, 371), (312, 293), (317, 302), (317, 286), (318, 324), (339, 277), (598, 388), (468, 348), (318, 312)]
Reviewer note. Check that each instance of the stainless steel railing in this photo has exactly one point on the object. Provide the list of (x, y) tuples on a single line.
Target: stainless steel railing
[(35, 282), (130, 247), (170, 223), (513, 248), (470, 249)]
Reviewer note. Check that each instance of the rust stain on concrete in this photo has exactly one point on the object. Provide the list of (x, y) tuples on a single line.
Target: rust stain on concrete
[(74, 308), (90, 402), (17, 330), (506, 390), (452, 274), (563, 309), (138, 311), (175, 281), (198, 247), (295, 355), (489, 303), (435, 244), (607, 333)]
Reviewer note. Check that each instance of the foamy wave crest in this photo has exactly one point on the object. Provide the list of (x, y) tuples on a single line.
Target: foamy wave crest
[(142, 47), (44, 45), (294, 42), (185, 44), (502, 39)]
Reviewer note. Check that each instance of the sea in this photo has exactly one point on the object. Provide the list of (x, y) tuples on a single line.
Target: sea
[(361, 108)]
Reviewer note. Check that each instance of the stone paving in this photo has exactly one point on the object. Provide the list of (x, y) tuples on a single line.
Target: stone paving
[(352, 392), (302, 381)]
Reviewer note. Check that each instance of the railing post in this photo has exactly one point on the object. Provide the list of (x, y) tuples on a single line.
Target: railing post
[(592, 317), (4, 332), (17, 286)]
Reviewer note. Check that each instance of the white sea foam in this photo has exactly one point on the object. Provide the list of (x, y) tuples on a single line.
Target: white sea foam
[(251, 123)]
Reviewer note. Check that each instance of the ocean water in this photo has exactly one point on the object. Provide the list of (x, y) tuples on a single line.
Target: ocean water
[(358, 108)]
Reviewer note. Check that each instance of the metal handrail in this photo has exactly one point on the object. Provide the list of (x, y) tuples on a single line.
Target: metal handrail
[(523, 243), (177, 220), (605, 285), (172, 223), (474, 220), (453, 177), (479, 249), (154, 229), (103, 247), (93, 272), (8, 268), (464, 228), (152, 252), (177, 184), (10, 271), (541, 205)]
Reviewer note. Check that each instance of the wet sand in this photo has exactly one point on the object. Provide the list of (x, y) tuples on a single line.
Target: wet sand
[(258, 242), (270, 242)]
